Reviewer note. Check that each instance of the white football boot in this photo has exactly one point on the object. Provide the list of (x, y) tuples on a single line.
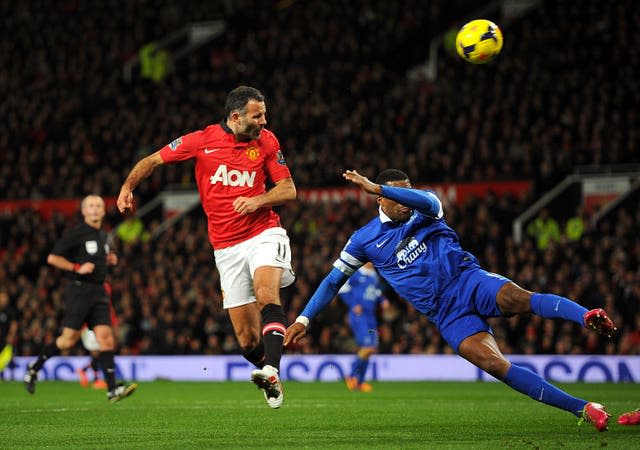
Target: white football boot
[(268, 380)]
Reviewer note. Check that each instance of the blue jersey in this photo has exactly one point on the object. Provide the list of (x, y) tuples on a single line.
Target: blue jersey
[(421, 259), (364, 289), (418, 258)]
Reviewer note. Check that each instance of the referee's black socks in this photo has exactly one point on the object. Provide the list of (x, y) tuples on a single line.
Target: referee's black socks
[(47, 352), (273, 329), (108, 368)]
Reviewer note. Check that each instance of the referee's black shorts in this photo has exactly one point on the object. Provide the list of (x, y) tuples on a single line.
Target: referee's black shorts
[(85, 303)]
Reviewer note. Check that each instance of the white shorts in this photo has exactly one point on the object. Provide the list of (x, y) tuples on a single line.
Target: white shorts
[(238, 263)]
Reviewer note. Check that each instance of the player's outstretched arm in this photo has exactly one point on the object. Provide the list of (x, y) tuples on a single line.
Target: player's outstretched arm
[(362, 181), (140, 171), (425, 202)]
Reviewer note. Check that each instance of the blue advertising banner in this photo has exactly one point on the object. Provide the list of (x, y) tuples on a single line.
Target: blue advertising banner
[(566, 369)]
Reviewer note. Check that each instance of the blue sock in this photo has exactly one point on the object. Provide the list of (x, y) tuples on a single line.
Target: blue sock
[(358, 368), (355, 366), (551, 306), (363, 370), (531, 384)]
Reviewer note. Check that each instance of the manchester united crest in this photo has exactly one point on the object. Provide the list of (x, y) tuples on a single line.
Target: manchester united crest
[(252, 153)]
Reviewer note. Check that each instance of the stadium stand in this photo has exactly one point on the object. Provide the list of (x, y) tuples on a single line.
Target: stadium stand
[(74, 125)]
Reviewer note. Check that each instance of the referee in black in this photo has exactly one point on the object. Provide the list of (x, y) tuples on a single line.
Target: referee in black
[(83, 252)]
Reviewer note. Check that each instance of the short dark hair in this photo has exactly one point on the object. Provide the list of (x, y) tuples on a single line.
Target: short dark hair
[(391, 175), (238, 98)]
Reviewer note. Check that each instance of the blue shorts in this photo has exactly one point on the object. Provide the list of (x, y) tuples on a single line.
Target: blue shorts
[(365, 330), (466, 304)]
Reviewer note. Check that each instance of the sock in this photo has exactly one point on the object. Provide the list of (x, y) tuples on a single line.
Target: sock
[(274, 320), (531, 384), (256, 356), (551, 306), (359, 369), (47, 352), (109, 369), (95, 364), (355, 367)]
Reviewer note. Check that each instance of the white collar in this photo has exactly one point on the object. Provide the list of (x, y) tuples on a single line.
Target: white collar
[(383, 217)]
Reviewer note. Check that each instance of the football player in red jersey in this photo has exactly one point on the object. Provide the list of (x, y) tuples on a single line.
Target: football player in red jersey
[(233, 161)]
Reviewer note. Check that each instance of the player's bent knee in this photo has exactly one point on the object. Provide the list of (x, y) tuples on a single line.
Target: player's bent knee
[(482, 351), (512, 299)]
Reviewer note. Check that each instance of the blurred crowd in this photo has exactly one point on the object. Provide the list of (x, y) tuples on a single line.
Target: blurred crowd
[(562, 94), (167, 295)]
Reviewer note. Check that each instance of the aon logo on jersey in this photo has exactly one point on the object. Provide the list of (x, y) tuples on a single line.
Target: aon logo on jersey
[(233, 177)]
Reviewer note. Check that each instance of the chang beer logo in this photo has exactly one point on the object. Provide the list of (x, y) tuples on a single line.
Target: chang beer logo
[(408, 250), (233, 177)]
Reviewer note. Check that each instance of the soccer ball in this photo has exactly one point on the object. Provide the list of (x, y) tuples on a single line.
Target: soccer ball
[(479, 41)]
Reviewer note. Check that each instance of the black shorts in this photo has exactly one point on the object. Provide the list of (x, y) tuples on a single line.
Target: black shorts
[(85, 303)]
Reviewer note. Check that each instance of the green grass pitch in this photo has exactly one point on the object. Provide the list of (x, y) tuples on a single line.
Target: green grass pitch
[(315, 415)]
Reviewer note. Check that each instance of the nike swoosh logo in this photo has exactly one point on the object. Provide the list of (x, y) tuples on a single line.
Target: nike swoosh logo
[(380, 244), (277, 334), (207, 151)]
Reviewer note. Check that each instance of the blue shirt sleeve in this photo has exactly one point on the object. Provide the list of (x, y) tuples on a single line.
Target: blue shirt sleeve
[(423, 201), (324, 294)]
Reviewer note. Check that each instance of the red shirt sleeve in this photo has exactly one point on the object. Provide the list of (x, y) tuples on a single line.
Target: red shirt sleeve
[(274, 162), (181, 149)]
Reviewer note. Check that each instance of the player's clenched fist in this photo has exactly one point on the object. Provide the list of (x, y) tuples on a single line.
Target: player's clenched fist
[(125, 200), (245, 205)]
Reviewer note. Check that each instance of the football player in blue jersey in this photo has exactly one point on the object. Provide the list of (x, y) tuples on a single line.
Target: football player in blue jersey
[(419, 255), (362, 293)]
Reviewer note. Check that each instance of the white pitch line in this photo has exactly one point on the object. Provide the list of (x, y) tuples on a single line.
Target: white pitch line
[(39, 410)]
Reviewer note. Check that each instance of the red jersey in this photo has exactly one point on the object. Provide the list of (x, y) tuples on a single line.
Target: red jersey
[(227, 169)]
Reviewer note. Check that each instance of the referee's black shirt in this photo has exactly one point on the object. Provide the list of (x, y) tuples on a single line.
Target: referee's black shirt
[(82, 244)]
